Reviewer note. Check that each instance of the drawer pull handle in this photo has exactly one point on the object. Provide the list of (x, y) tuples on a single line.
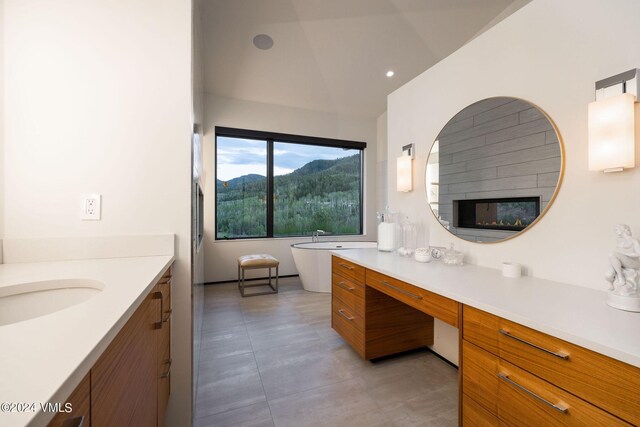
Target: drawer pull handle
[(559, 408), (158, 295), (345, 315), (344, 286), (348, 267), (561, 355), (402, 290), (166, 374), (74, 422)]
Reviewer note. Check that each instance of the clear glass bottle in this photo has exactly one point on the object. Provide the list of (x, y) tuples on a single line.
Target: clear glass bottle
[(409, 234)]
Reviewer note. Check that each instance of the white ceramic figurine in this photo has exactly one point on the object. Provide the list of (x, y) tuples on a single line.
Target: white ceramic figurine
[(623, 273)]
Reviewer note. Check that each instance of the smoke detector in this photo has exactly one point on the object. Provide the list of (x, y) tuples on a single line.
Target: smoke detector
[(263, 42)]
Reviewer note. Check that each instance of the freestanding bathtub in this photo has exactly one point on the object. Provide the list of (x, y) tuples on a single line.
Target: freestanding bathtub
[(313, 261)]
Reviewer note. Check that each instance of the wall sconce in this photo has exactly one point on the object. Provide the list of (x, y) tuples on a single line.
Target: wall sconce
[(612, 123), (405, 169)]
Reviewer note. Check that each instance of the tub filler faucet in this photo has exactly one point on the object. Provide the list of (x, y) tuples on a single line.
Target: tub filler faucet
[(315, 236)]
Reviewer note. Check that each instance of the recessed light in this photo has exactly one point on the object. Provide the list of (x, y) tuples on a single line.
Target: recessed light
[(390, 73), (263, 42)]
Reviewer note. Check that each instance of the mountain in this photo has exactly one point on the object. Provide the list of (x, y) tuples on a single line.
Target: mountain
[(244, 179), (344, 165), (314, 166), (322, 194)]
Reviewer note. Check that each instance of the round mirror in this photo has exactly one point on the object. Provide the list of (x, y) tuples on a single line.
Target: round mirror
[(494, 169)]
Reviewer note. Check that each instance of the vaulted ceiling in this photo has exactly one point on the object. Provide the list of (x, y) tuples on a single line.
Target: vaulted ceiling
[(332, 55)]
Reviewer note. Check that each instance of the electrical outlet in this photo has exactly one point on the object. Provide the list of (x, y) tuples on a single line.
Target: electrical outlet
[(91, 207)]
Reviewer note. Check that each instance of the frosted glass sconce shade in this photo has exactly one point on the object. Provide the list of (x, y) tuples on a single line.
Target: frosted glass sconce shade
[(405, 174), (611, 134)]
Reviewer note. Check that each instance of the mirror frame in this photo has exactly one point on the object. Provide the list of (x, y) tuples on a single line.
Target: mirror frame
[(555, 192)]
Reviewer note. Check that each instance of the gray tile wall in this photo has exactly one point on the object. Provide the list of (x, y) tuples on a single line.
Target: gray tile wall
[(499, 147)]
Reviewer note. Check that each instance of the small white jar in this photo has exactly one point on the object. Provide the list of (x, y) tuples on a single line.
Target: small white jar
[(422, 255), (511, 269)]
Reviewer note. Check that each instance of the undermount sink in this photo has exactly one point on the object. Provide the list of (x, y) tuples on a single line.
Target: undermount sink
[(26, 301)]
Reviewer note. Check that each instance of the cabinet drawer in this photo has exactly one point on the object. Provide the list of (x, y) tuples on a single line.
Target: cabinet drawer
[(168, 273), (80, 401), (162, 292), (522, 399), (435, 305), (349, 292), (164, 343), (164, 384), (346, 328), (473, 414), (526, 400), (480, 328), (164, 361), (347, 312), (605, 382), (165, 288), (347, 269), (479, 376)]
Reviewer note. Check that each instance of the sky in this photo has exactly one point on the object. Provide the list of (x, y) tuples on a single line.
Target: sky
[(237, 157)]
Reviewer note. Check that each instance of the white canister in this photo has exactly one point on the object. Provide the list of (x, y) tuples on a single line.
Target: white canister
[(386, 236), (511, 269)]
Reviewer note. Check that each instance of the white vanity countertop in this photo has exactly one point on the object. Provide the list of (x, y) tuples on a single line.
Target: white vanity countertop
[(573, 313), (43, 359)]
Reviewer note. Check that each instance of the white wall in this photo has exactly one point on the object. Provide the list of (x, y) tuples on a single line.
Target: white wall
[(221, 256), (550, 53), (98, 99), (382, 184), (197, 278)]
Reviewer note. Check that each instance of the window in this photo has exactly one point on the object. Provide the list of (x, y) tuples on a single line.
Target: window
[(278, 185)]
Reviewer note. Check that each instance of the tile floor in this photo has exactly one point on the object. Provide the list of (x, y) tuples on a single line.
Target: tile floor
[(274, 360)]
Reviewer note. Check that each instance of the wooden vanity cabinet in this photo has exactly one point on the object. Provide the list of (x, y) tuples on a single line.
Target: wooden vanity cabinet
[(163, 288), (124, 379), (502, 359), (373, 323), (510, 374), (129, 384)]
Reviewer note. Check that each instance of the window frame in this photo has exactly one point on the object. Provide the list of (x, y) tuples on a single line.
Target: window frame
[(270, 138)]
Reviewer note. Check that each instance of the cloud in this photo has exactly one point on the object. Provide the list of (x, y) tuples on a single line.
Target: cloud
[(237, 157), (294, 156), (227, 172), (234, 151), (281, 171)]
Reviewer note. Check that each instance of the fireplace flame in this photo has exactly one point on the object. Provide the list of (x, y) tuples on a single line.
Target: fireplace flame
[(516, 223)]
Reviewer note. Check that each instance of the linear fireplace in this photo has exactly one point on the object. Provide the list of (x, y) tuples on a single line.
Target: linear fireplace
[(512, 213)]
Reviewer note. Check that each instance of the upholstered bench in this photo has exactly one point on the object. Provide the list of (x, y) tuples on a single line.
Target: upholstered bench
[(256, 261)]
